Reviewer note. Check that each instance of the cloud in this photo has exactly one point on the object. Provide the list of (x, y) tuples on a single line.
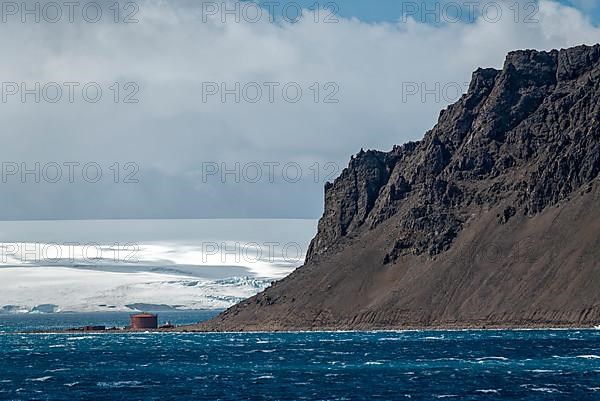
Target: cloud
[(173, 135)]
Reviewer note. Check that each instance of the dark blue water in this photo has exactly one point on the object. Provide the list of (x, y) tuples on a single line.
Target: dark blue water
[(425, 365)]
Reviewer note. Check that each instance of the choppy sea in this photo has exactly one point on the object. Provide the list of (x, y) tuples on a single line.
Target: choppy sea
[(417, 365)]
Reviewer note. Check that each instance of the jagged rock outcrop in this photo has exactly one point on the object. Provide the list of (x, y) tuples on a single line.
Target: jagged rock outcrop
[(492, 219)]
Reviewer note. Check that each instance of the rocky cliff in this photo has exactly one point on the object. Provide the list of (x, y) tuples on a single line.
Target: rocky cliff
[(492, 219)]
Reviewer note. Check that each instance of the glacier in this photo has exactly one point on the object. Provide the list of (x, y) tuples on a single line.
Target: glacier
[(70, 266)]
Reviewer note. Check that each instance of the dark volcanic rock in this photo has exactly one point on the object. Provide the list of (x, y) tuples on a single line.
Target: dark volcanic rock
[(351, 198), (492, 218)]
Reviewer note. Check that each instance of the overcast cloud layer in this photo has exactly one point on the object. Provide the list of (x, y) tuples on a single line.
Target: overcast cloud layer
[(177, 141)]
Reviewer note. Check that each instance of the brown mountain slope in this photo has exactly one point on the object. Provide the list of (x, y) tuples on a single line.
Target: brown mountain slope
[(492, 219)]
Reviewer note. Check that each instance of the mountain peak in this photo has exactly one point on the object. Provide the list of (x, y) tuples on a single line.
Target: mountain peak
[(492, 217)]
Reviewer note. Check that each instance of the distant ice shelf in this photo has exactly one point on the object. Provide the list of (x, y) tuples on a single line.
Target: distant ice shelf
[(61, 289), (168, 264)]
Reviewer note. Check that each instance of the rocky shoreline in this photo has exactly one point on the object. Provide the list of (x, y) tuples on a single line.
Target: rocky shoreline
[(449, 327)]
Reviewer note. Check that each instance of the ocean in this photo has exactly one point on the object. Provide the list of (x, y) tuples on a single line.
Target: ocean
[(416, 365)]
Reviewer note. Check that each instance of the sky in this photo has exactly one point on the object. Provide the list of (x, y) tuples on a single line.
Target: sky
[(391, 10), (182, 109)]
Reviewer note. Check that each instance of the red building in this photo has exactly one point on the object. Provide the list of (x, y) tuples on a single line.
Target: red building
[(144, 321)]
